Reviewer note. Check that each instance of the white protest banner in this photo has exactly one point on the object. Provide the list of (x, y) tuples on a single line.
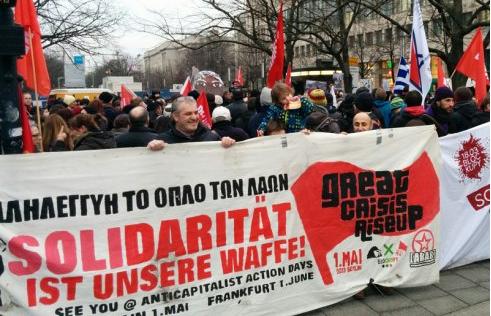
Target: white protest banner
[(465, 197), (274, 226)]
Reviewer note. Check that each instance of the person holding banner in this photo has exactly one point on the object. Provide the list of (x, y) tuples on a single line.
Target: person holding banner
[(362, 122), (291, 110), (186, 127)]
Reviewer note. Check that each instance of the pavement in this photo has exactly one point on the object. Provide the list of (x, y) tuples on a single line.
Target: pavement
[(461, 291)]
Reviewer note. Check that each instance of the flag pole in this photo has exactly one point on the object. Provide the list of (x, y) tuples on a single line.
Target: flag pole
[(38, 112), (453, 73)]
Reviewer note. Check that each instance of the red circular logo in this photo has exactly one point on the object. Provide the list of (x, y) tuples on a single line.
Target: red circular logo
[(471, 158), (423, 241)]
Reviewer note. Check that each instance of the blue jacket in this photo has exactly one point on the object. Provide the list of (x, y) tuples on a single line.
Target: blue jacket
[(384, 109)]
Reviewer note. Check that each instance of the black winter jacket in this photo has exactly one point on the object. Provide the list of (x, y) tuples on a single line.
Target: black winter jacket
[(136, 137), (202, 134), (95, 140), (462, 115), (225, 128)]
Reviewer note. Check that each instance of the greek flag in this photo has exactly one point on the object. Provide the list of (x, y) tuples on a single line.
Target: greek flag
[(402, 79)]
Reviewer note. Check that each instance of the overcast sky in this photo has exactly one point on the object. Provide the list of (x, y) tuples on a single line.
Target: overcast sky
[(134, 42)]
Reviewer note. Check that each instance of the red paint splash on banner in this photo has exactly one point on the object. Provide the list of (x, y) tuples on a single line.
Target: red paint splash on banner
[(337, 200), (472, 158)]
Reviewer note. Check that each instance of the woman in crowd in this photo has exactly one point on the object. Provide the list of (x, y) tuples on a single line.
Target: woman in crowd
[(88, 135), (56, 134)]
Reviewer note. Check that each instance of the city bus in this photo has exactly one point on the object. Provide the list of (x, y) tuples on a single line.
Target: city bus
[(79, 94)]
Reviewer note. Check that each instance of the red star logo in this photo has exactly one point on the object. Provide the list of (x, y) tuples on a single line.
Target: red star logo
[(424, 243)]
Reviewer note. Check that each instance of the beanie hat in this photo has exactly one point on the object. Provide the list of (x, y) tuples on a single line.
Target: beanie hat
[(318, 97), (90, 109), (221, 113), (364, 102), (218, 100), (443, 93), (265, 97), (361, 90), (105, 97), (68, 99), (397, 103)]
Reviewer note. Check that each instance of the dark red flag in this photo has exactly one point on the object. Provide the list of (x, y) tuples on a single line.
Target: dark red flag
[(203, 109), (186, 87), (275, 72), (288, 77), (238, 77), (126, 96), (32, 66), (471, 64)]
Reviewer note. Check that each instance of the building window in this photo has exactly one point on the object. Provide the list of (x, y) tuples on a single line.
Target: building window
[(378, 37), (351, 41), (302, 51), (369, 38), (387, 8), (406, 5), (484, 16), (437, 27), (296, 52), (359, 40), (309, 50), (425, 24), (388, 35)]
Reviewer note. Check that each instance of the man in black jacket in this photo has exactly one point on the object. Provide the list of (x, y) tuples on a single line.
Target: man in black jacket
[(223, 127), (186, 127), (139, 135)]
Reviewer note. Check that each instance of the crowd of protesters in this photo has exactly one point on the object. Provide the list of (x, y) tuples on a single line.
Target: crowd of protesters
[(237, 115)]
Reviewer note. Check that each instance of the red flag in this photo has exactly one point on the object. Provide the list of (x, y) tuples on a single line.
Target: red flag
[(27, 143), (275, 72), (288, 77), (203, 109), (402, 246), (35, 73), (186, 88), (238, 76), (471, 64), (126, 96), (441, 74)]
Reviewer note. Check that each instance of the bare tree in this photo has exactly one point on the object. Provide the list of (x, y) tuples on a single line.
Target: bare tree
[(55, 67), (120, 65), (327, 28), (451, 21), (86, 25), (250, 23)]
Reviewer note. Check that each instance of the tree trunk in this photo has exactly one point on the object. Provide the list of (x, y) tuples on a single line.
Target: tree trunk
[(454, 56), (345, 67)]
